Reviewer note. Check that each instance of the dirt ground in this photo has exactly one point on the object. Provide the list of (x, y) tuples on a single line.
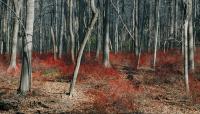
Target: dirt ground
[(123, 88)]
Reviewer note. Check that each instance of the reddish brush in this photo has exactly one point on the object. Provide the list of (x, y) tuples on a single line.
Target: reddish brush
[(194, 88), (145, 60), (36, 74), (122, 58), (170, 57), (197, 56), (99, 95), (115, 93), (16, 71)]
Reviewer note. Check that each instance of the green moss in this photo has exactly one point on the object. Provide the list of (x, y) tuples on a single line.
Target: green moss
[(51, 72)]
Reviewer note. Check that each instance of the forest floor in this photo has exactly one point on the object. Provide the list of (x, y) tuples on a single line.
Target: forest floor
[(123, 88)]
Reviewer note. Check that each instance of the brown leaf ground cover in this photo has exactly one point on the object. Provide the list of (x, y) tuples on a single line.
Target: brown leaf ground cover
[(123, 88)]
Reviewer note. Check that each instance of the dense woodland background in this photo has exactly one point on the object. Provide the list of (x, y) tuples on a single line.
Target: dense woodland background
[(154, 43)]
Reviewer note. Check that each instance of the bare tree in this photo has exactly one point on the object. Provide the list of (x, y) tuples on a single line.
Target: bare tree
[(116, 44), (106, 39), (188, 36), (86, 38), (136, 2), (98, 47), (157, 33), (26, 72), (186, 57), (71, 31), (191, 37), (61, 31), (17, 4), (55, 49)]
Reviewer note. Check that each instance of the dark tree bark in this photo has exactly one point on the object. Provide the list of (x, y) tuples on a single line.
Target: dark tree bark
[(61, 31), (98, 47)]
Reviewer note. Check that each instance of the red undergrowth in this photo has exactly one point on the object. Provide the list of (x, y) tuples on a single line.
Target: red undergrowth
[(116, 92), (194, 89), (107, 85), (123, 58)]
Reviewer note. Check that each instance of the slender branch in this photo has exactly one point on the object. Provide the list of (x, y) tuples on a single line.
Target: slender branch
[(19, 19), (125, 26), (86, 38)]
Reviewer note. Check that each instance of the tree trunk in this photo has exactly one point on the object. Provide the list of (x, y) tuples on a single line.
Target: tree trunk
[(8, 28), (150, 25), (99, 32), (98, 48), (26, 73), (191, 38), (116, 29), (182, 35), (41, 28), (61, 31), (54, 44), (176, 20), (186, 56), (106, 50), (87, 36), (56, 23), (5, 30), (136, 28), (17, 4), (157, 33), (172, 19), (133, 24), (81, 30), (71, 31)]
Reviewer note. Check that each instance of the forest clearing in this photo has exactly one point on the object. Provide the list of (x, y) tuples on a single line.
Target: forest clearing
[(99, 57)]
